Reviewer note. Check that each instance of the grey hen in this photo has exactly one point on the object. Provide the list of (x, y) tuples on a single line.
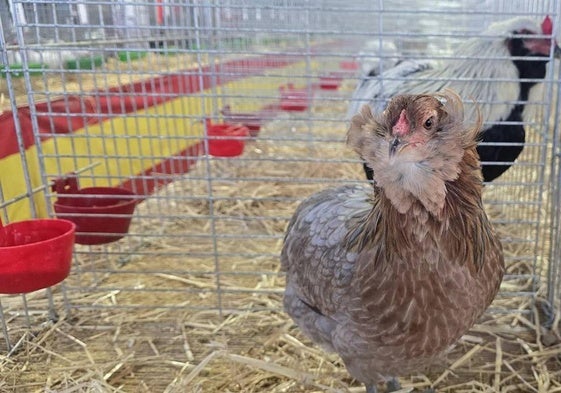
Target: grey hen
[(391, 277)]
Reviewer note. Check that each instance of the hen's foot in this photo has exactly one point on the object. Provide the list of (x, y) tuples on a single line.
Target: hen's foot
[(393, 385), (371, 389)]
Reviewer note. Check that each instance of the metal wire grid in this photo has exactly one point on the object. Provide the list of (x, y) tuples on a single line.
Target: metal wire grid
[(156, 265)]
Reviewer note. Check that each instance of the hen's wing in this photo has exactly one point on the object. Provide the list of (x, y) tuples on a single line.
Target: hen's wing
[(378, 90), (319, 267)]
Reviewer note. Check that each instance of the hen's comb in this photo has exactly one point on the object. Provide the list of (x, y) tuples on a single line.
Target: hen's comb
[(547, 26)]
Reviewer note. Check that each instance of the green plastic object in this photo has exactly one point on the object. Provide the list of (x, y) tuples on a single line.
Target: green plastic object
[(84, 63), (17, 70), (169, 51), (131, 55)]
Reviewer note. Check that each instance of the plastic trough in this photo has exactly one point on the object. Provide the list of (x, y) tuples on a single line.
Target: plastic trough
[(101, 214), (35, 254), (225, 139), (331, 81), (250, 120), (293, 99)]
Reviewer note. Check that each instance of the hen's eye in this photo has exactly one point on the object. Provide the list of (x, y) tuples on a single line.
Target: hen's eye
[(428, 124)]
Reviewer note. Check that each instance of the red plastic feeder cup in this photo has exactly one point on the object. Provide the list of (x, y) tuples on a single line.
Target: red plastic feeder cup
[(332, 81), (226, 140), (35, 254), (250, 120), (349, 65), (101, 214), (292, 99)]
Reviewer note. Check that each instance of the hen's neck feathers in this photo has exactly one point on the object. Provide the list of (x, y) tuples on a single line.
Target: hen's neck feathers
[(461, 218), (431, 202)]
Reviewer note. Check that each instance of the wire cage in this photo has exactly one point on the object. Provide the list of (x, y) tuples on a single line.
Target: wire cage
[(211, 121)]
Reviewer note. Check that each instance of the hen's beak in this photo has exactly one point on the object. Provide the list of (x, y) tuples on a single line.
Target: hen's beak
[(393, 146)]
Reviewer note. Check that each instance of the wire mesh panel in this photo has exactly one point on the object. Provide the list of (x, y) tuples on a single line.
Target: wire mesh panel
[(212, 121)]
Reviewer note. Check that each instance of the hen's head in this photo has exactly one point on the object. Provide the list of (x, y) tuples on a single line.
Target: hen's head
[(522, 36), (524, 41), (415, 147)]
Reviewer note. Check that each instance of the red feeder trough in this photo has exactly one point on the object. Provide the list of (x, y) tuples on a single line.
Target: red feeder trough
[(226, 140), (101, 214), (292, 99), (250, 120), (349, 65), (35, 254), (332, 81)]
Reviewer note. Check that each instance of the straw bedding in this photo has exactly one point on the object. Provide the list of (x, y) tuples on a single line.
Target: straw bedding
[(103, 346)]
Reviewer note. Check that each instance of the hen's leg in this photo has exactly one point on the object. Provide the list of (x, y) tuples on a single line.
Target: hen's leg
[(393, 385), (371, 389)]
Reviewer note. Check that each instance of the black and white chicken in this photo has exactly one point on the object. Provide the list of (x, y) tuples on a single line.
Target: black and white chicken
[(496, 70), (377, 56)]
